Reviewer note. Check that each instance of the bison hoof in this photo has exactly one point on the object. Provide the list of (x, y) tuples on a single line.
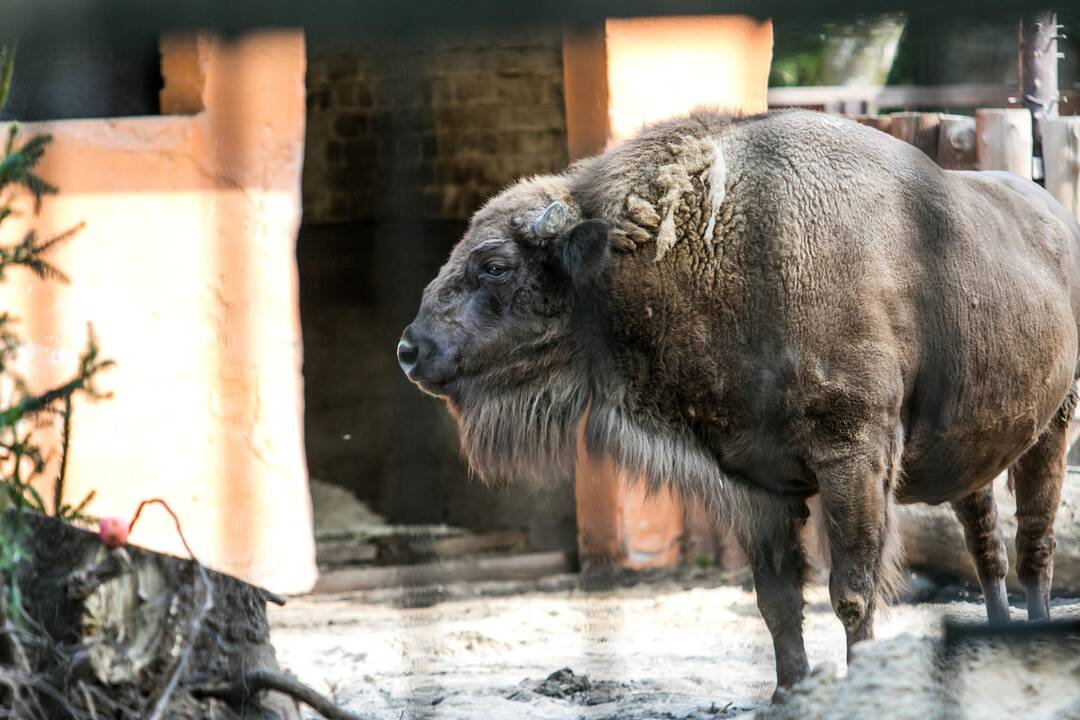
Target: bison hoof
[(851, 610)]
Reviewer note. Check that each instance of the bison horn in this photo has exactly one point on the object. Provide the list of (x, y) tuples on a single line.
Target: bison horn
[(552, 221)]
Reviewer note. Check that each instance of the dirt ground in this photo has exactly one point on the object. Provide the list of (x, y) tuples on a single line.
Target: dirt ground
[(685, 648)]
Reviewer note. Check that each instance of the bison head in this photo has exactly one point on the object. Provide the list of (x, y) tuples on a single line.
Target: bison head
[(495, 335)]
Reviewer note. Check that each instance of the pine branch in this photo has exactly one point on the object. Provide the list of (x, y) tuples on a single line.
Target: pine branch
[(76, 513), (7, 71), (37, 403), (9, 345), (59, 238), (16, 168), (65, 446), (89, 366), (29, 254)]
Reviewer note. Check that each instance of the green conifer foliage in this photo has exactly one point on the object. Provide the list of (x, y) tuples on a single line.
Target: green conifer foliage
[(25, 410)]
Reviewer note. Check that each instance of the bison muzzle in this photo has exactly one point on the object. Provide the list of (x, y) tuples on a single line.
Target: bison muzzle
[(756, 310)]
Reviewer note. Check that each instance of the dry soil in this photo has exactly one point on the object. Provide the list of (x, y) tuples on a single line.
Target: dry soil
[(687, 648)]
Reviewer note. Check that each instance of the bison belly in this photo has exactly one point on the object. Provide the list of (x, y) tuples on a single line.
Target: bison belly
[(963, 431)]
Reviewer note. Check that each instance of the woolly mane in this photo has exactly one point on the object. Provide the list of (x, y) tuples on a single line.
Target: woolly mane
[(666, 457)]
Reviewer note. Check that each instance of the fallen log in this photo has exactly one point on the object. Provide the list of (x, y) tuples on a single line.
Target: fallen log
[(124, 632), (934, 539), (526, 566)]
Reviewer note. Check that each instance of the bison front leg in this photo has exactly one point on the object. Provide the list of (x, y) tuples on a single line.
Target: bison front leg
[(856, 499), (778, 562), (778, 580)]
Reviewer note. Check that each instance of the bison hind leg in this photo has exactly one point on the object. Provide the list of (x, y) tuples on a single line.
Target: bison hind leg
[(977, 512), (1036, 478)]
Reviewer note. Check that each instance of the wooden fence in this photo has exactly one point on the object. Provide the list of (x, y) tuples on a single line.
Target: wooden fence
[(995, 139), (998, 139), (856, 99)]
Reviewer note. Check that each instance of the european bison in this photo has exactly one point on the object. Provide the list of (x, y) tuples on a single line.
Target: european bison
[(756, 310)]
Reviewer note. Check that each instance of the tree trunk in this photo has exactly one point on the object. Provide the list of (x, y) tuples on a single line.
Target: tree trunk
[(1039, 68), (861, 52), (106, 631), (934, 540)]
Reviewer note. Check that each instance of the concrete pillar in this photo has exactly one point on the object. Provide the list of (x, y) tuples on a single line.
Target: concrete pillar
[(186, 267)]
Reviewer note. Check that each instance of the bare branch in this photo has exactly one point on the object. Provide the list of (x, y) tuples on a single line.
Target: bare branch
[(256, 681)]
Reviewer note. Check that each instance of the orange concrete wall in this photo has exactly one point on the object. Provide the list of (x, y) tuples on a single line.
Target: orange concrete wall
[(642, 70), (187, 269), (659, 67)]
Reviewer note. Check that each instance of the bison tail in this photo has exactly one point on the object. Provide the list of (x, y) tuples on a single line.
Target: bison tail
[(890, 578)]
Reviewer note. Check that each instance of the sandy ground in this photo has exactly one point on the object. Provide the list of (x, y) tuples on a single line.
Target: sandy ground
[(692, 648)]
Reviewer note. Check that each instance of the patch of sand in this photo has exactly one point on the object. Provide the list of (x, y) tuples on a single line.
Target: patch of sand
[(674, 649)]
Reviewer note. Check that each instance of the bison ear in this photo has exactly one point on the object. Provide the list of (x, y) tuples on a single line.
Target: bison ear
[(585, 251)]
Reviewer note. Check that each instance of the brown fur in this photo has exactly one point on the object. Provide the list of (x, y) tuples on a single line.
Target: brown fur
[(781, 306)]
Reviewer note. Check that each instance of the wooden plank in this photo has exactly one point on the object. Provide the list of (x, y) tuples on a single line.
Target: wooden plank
[(896, 96), (1003, 141), (372, 533), (1061, 160), (412, 547), (499, 541), (528, 566), (416, 548), (345, 553), (956, 142), (878, 122)]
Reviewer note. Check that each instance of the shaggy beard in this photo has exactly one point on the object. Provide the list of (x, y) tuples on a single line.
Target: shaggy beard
[(529, 432), (522, 433)]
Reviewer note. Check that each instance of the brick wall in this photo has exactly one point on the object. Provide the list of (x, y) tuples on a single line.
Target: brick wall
[(402, 146), (447, 123)]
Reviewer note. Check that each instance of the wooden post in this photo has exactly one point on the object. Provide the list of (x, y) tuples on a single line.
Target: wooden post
[(1061, 158), (956, 142), (1004, 141), (918, 129), (878, 122), (1038, 67), (585, 89)]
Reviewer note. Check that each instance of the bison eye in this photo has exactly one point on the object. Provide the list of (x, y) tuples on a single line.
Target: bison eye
[(495, 270)]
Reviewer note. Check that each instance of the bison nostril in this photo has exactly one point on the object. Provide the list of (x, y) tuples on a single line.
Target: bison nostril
[(407, 355)]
